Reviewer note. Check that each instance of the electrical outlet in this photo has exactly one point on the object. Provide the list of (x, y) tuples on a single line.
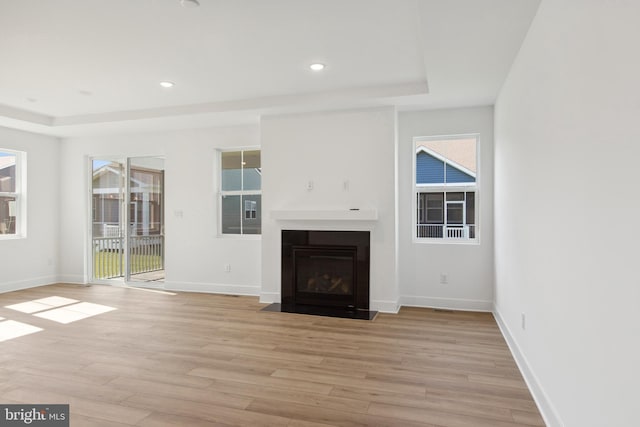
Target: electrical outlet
[(523, 319), (227, 268), (309, 185), (345, 185), (444, 279)]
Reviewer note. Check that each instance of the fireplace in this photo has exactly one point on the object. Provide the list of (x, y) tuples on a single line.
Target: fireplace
[(326, 272)]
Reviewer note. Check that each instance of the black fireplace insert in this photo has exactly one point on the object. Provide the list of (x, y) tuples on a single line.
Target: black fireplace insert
[(326, 272)]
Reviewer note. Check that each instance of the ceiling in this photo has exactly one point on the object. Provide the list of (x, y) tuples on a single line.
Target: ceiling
[(78, 67)]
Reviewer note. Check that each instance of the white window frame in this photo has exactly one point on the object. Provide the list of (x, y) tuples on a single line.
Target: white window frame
[(223, 193), (446, 188), (20, 195)]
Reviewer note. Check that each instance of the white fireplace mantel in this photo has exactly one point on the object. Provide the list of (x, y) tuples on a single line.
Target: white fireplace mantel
[(325, 215)]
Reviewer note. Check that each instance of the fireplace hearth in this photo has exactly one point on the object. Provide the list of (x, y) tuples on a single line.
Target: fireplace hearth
[(325, 273)]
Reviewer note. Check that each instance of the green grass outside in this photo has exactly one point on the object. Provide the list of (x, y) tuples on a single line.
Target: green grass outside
[(110, 264)]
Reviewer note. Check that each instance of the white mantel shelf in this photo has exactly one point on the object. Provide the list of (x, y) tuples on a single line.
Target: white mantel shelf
[(325, 215)]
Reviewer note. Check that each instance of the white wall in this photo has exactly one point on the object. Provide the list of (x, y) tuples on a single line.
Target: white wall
[(329, 148), (469, 267), (195, 254), (33, 261), (567, 150)]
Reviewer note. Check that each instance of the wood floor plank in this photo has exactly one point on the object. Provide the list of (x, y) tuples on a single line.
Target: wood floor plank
[(254, 365), (473, 397), (285, 396), (487, 409), (146, 374), (203, 411), (301, 423), (100, 393), (389, 385), (479, 388), (409, 376), (213, 360), (84, 421), (90, 408), (329, 416), (184, 393), (497, 380), (532, 418), (160, 419), (266, 353), (272, 365), (444, 419), (253, 379)]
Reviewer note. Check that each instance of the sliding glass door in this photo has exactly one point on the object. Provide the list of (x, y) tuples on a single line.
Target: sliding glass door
[(108, 237), (146, 219), (127, 217)]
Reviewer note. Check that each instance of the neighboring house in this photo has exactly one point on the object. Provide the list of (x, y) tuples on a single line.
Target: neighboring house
[(433, 168), (7, 202), (240, 190), (145, 204), (445, 189)]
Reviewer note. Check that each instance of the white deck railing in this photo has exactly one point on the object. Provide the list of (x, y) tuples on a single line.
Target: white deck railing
[(457, 232), (146, 253), (441, 231)]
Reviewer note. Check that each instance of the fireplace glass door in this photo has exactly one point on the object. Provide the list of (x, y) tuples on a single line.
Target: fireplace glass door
[(325, 276)]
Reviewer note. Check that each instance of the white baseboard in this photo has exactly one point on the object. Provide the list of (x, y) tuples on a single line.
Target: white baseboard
[(28, 283), (446, 303), (547, 410), (269, 297), (212, 288), (72, 279), (384, 306)]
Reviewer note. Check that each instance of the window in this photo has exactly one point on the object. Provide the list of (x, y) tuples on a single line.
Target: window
[(240, 192), (445, 188), (12, 201), (250, 209)]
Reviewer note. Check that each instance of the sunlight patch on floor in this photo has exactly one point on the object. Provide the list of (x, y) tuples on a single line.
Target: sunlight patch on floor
[(55, 308), (41, 304), (75, 312), (10, 329), (56, 301)]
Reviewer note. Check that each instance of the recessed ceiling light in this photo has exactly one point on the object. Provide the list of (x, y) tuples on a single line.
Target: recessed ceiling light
[(189, 3), (167, 84), (317, 66)]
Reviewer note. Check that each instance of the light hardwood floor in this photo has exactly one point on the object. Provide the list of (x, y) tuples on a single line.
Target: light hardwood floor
[(199, 359)]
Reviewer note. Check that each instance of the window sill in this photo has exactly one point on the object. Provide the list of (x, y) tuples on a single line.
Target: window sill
[(436, 241), (12, 236), (240, 236)]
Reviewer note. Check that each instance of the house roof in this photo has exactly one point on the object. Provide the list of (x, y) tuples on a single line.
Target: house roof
[(460, 151), (108, 169), (95, 66), (7, 161)]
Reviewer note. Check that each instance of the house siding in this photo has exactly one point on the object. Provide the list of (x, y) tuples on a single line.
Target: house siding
[(457, 176), (430, 170)]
